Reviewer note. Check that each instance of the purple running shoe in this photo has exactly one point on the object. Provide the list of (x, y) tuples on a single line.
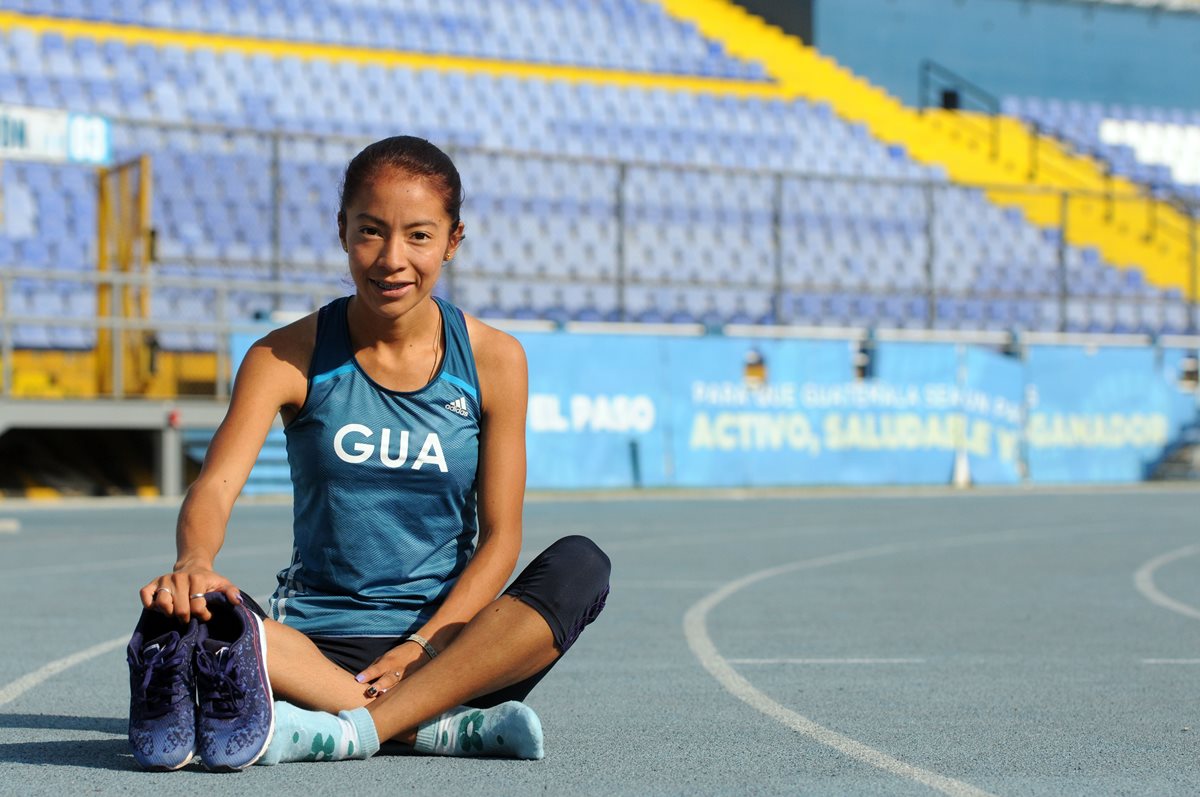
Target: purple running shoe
[(162, 708), (236, 708)]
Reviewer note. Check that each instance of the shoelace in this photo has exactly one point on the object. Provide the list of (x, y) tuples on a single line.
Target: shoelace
[(160, 678), (220, 690)]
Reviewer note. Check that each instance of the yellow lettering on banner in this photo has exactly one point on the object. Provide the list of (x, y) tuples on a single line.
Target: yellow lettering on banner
[(1007, 443), (800, 433), (908, 431), (832, 432), (938, 433), (726, 431), (905, 431), (1037, 432), (957, 423), (854, 431), (1080, 428), (866, 431), (753, 431), (979, 441), (707, 434), (835, 440), (1113, 430), (702, 434)]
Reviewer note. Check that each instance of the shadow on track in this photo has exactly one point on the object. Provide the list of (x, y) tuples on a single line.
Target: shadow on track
[(111, 754), (60, 722)]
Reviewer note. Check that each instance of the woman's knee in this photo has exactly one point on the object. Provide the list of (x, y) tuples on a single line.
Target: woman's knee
[(567, 583), (571, 586), (582, 558)]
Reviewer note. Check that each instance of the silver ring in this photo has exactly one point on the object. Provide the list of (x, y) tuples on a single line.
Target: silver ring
[(195, 595), (167, 590)]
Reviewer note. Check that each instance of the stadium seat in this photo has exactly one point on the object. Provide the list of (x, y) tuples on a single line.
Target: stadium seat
[(858, 243)]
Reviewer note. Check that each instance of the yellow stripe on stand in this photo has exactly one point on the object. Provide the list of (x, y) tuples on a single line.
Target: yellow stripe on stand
[(1131, 231), (189, 40)]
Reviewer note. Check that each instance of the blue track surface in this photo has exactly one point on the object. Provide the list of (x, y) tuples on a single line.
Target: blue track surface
[(1009, 643)]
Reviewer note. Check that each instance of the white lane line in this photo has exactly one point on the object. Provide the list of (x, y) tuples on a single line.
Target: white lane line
[(26, 682), (1170, 661), (695, 626), (10, 525), (826, 661), (1143, 579)]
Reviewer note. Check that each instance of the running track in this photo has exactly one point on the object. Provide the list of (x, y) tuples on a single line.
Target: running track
[(891, 643)]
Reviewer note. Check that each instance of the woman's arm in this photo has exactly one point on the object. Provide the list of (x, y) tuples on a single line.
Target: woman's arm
[(270, 379), (504, 384)]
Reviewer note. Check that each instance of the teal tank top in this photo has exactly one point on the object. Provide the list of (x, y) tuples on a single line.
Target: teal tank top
[(384, 514)]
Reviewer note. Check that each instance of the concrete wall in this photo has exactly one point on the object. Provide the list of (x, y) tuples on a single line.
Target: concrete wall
[(1046, 48), (794, 16)]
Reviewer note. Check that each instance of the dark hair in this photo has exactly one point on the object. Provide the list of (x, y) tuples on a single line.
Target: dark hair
[(413, 156)]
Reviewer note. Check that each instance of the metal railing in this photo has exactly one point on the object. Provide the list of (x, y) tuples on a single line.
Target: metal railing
[(773, 236), (955, 92), (126, 333)]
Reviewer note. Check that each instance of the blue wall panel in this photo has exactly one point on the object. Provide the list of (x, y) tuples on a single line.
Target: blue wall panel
[(611, 411), (1181, 404), (993, 392), (912, 426), (702, 418), (1080, 51), (1095, 415), (729, 429), (590, 397)]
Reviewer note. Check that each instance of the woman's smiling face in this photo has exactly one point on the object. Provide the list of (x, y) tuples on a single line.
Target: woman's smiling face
[(398, 234)]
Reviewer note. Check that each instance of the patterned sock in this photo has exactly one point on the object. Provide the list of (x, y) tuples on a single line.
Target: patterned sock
[(509, 730), (319, 736)]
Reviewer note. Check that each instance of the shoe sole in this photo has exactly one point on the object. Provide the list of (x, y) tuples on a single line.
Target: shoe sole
[(261, 635), (163, 768)]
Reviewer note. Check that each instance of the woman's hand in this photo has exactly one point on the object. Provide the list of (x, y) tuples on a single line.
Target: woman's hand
[(392, 667), (181, 594)]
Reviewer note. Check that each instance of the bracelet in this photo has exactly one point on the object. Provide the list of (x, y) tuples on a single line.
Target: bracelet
[(429, 649)]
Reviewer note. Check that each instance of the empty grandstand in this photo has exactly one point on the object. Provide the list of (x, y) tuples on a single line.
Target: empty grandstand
[(624, 161)]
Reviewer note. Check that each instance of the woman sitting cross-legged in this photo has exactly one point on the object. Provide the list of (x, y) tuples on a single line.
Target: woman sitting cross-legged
[(405, 426)]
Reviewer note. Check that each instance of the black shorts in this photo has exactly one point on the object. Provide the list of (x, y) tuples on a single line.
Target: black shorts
[(567, 584)]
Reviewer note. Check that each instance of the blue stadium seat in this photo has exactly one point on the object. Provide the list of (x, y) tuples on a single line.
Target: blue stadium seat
[(544, 221)]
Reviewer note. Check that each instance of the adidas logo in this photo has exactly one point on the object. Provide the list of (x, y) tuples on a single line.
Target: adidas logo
[(459, 405)]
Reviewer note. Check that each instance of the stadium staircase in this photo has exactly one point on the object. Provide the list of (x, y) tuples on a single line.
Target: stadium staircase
[(1181, 460), (1145, 232), (270, 475)]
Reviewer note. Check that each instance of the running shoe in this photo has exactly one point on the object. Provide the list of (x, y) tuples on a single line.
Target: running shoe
[(162, 711), (236, 714)]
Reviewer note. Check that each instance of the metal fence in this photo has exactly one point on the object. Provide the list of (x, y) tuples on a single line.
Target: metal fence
[(243, 225)]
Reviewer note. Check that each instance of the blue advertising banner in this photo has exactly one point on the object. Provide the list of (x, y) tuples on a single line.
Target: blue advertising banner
[(1095, 415), (802, 417), (907, 426), (1182, 402), (992, 398), (596, 404), (741, 413), (611, 411)]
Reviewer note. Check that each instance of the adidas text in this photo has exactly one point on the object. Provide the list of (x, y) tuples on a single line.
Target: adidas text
[(459, 405)]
